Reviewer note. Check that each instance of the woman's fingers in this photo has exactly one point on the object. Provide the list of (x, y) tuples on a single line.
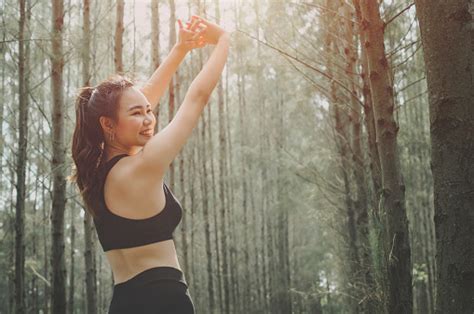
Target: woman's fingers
[(199, 32), (194, 30), (191, 44), (195, 22)]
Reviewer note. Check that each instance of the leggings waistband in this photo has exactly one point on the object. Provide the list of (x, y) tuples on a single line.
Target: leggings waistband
[(153, 274)]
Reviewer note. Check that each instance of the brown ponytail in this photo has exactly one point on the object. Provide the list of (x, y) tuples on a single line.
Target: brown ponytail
[(88, 138)]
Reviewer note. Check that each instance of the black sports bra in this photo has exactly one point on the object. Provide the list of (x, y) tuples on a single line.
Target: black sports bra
[(117, 232)]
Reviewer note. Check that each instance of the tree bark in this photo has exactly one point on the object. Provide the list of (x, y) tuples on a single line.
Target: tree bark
[(283, 218), (3, 98), (171, 89), (361, 203), (341, 111), (155, 44), (119, 29), (89, 240), (72, 273), (58, 164), (222, 188), (398, 292), (23, 56), (207, 225), (446, 33), (375, 173), (35, 307)]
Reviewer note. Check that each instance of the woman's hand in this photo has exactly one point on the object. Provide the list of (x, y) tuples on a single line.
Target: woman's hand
[(210, 32), (190, 37)]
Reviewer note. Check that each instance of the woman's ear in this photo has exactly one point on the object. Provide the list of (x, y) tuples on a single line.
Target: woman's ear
[(106, 124)]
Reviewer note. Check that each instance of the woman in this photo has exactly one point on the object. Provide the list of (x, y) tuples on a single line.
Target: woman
[(120, 166)]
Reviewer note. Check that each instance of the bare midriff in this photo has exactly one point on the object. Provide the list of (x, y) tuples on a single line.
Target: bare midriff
[(126, 263)]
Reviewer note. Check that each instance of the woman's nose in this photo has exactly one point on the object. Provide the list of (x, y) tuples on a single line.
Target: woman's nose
[(150, 120)]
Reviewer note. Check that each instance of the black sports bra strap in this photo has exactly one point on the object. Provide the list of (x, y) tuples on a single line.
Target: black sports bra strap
[(112, 161)]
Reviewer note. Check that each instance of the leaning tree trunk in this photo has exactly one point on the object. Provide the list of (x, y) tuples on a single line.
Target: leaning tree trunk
[(23, 56), (58, 267), (446, 33), (398, 292)]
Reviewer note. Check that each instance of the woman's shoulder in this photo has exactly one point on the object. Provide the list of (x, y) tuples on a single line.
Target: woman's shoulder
[(130, 169), (125, 189)]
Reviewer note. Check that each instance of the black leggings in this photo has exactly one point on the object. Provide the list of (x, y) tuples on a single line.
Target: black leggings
[(158, 290)]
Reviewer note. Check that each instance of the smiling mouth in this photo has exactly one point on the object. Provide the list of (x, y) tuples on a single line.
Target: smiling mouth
[(148, 132)]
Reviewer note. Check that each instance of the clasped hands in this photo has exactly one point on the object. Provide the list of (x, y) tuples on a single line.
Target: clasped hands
[(197, 33)]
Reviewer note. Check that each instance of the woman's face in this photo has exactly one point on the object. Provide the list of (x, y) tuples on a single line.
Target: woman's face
[(134, 117)]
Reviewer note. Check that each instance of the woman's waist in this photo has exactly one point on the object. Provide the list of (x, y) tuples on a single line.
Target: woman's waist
[(126, 263)]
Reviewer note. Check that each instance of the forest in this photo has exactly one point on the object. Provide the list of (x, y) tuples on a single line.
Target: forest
[(331, 170)]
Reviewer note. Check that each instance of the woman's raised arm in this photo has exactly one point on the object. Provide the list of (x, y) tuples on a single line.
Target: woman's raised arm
[(162, 148), (157, 84), (188, 39)]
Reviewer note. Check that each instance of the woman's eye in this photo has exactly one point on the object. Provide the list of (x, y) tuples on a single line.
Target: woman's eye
[(134, 114)]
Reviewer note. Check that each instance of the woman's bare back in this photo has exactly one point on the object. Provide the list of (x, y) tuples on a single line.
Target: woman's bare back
[(133, 197)]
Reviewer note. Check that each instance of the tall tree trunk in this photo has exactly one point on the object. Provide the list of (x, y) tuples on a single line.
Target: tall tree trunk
[(3, 98), (171, 95), (155, 34), (361, 204), (449, 63), (375, 173), (228, 195), (89, 239), (34, 242), (184, 226), (46, 254), (283, 218), (11, 256), (243, 165), (207, 225), (119, 29), (134, 42), (398, 292), (222, 178), (229, 187), (58, 164), (210, 150), (234, 269), (155, 44), (263, 146), (23, 56), (222, 198), (341, 110), (72, 273), (90, 265), (192, 206)]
